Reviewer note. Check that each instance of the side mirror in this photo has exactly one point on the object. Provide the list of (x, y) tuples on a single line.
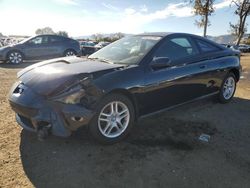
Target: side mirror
[(160, 62)]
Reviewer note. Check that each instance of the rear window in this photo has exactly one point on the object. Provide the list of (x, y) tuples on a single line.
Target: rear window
[(206, 47)]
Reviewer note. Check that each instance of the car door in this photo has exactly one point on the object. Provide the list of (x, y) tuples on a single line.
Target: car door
[(56, 46), (37, 47), (212, 57), (182, 81)]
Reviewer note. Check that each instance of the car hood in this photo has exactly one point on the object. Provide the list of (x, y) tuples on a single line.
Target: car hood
[(4, 48), (53, 76), (8, 47)]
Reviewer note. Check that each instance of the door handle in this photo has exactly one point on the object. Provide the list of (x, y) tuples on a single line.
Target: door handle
[(203, 66)]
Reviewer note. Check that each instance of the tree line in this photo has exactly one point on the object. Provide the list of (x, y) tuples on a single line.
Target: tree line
[(48, 30), (98, 37), (113, 37)]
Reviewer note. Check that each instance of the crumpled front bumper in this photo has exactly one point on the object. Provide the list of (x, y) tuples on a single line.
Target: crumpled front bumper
[(34, 112)]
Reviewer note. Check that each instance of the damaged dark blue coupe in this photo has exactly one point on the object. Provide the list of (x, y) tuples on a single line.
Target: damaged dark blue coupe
[(129, 79)]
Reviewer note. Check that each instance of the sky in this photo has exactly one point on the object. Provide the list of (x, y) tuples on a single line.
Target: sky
[(87, 17)]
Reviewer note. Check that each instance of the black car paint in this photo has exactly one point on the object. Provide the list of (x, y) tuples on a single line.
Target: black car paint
[(88, 50), (149, 90), (67, 70), (42, 51)]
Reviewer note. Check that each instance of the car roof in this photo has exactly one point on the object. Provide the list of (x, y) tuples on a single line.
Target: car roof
[(159, 34), (165, 34), (51, 35)]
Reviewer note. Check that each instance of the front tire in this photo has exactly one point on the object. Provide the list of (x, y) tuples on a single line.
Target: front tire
[(228, 88), (15, 57), (113, 120)]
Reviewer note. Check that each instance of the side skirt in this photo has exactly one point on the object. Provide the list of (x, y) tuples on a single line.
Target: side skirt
[(175, 106)]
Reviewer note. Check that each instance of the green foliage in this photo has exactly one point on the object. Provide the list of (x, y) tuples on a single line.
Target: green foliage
[(242, 11), (44, 31), (99, 37), (62, 33), (49, 31), (204, 9), (234, 28)]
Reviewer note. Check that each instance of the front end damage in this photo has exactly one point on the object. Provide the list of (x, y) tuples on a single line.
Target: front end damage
[(59, 115), (58, 95)]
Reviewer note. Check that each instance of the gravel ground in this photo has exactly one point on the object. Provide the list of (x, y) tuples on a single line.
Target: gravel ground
[(162, 151)]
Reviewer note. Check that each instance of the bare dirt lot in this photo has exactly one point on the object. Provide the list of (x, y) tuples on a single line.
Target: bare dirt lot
[(162, 151)]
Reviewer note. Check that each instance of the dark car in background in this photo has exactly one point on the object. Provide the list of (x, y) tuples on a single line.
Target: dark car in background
[(40, 47), (131, 78), (244, 48), (88, 47), (226, 45), (102, 44)]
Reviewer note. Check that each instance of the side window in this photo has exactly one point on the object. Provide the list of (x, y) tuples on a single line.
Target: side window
[(176, 48), (39, 40), (206, 47), (45, 39), (54, 39), (36, 40), (148, 44)]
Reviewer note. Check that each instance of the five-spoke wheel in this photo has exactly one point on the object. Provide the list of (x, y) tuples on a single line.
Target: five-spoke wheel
[(113, 120), (228, 88)]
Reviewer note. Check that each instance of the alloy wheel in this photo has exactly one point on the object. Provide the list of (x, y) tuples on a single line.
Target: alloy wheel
[(228, 88), (15, 57), (70, 53), (113, 119)]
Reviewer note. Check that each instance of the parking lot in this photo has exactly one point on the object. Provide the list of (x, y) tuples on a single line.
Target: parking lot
[(162, 151)]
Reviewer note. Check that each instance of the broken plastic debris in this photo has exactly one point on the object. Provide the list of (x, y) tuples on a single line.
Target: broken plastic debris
[(204, 137)]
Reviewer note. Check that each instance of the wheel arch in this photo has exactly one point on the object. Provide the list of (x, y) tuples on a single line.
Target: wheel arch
[(130, 96), (236, 72), (68, 49), (15, 50)]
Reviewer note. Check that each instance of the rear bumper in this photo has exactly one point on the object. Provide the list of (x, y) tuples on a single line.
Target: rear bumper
[(34, 111)]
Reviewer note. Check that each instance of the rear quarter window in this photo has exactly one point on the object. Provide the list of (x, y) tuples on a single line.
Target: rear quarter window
[(184, 42), (54, 39), (206, 47)]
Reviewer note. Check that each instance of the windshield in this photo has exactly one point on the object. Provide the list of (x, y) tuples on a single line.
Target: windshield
[(25, 40), (128, 50)]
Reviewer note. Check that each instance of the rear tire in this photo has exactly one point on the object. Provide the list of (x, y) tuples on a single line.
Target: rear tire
[(228, 88), (14, 57), (113, 120), (70, 53)]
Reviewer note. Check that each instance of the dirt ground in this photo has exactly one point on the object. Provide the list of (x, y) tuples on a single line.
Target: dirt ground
[(162, 151)]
